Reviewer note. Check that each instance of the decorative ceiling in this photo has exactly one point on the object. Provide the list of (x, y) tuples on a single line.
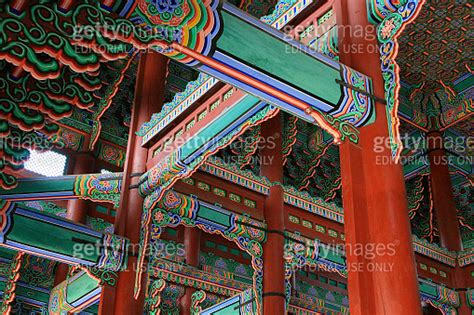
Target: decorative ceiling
[(435, 47), (421, 209), (311, 160), (465, 127), (436, 69)]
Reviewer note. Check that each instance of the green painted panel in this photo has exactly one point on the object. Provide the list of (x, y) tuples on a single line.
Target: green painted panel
[(331, 255), (242, 279), (332, 306), (79, 287), (231, 309), (465, 84), (275, 57), (32, 294), (50, 237), (210, 244), (101, 209), (222, 248), (33, 186), (218, 125), (215, 216), (7, 253), (428, 289)]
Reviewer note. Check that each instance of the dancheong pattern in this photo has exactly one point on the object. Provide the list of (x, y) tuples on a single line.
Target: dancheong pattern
[(175, 209), (98, 187), (392, 17), (67, 83), (76, 38)]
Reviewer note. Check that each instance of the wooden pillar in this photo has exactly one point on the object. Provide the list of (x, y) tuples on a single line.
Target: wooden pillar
[(442, 193), (463, 280), (77, 208), (106, 304), (192, 245), (273, 248), (60, 273), (374, 196), (149, 95), (83, 163)]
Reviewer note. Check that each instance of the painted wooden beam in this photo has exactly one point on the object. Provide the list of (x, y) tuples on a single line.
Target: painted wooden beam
[(95, 187), (233, 116), (31, 231), (243, 303), (200, 88), (74, 294), (26, 293), (286, 73)]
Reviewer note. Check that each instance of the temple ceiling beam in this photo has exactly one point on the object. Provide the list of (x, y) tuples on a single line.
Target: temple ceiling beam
[(206, 36), (74, 294), (28, 230)]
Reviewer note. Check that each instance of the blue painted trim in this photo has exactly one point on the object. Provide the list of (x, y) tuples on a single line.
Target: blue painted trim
[(276, 33), (66, 194), (87, 297), (57, 221), (220, 306), (274, 83), (226, 131), (267, 97)]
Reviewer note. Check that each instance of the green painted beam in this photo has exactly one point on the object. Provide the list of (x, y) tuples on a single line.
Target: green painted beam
[(74, 294), (265, 62), (32, 231), (94, 187), (236, 114), (241, 304)]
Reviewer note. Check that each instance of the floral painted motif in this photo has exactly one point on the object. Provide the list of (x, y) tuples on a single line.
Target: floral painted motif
[(98, 187), (174, 209), (190, 23), (392, 17)]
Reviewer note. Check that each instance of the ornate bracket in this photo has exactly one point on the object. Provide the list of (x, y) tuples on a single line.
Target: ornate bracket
[(392, 16), (302, 252), (174, 209), (197, 298), (9, 291), (153, 298)]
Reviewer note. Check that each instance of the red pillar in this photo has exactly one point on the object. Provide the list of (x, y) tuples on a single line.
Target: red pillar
[(77, 208), (149, 95), (356, 226), (106, 303), (442, 193), (83, 163), (273, 248), (192, 245), (374, 194), (61, 273), (463, 280)]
